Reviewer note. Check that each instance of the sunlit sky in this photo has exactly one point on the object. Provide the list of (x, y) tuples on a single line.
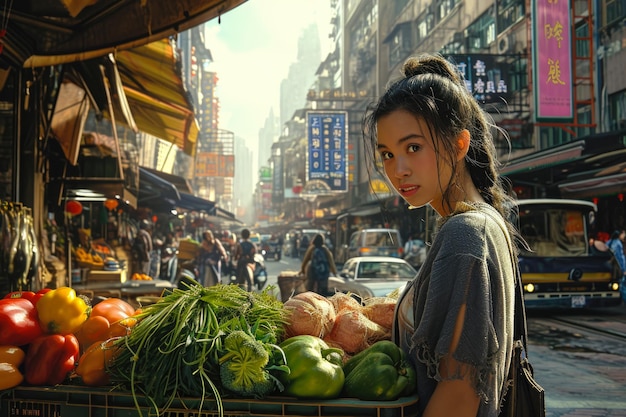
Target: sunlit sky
[(252, 50)]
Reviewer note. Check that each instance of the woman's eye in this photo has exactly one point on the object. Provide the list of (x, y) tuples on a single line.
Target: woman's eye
[(386, 155), (413, 148)]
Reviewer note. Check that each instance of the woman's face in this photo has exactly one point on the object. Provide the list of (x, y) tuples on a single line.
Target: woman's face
[(410, 160)]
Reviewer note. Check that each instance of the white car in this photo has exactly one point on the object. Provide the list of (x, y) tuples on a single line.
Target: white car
[(372, 276)]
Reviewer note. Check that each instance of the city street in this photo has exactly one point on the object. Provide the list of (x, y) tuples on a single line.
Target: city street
[(579, 356)]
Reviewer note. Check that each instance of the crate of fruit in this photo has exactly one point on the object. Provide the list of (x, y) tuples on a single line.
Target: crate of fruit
[(78, 401)]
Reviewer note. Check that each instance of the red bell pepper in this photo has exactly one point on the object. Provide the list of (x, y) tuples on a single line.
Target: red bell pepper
[(50, 358), (19, 322), (33, 297)]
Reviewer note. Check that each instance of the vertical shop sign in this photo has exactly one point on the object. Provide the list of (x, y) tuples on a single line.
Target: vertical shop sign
[(552, 60), (327, 162)]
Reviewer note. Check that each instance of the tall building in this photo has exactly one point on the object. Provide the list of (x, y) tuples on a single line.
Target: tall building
[(243, 187), (301, 75), (267, 135)]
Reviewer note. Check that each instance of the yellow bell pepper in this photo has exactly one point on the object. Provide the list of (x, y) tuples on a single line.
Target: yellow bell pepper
[(61, 311), (10, 359)]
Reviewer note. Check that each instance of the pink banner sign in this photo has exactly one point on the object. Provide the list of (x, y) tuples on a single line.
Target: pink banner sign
[(552, 59)]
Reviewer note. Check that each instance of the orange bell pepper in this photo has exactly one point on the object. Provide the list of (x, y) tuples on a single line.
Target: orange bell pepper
[(93, 365), (109, 318), (11, 358), (61, 311)]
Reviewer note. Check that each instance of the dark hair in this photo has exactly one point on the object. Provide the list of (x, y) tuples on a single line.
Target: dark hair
[(615, 234), (433, 90), (318, 240), (245, 233)]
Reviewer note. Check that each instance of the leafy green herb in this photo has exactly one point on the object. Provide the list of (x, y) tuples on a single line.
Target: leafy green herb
[(174, 349)]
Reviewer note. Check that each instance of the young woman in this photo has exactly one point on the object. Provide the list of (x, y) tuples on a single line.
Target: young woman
[(455, 319)]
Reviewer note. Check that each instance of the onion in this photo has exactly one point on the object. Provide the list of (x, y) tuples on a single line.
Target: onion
[(309, 314), (380, 310), (342, 301), (354, 332)]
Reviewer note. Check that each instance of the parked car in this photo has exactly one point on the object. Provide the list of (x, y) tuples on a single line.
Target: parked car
[(372, 276), (376, 242)]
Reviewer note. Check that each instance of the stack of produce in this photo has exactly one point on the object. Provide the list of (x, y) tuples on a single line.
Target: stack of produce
[(212, 343), (87, 259)]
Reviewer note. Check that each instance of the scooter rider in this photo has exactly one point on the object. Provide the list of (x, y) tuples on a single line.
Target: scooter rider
[(244, 256)]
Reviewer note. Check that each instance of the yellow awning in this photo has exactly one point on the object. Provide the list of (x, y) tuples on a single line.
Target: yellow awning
[(156, 94)]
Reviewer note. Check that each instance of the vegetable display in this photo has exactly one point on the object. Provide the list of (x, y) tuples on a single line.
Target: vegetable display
[(205, 343), (315, 368), (380, 372), (175, 347)]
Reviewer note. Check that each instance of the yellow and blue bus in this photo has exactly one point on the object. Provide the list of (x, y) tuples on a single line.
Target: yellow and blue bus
[(560, 270)]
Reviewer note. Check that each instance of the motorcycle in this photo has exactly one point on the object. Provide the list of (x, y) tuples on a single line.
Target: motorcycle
[(259, 275)]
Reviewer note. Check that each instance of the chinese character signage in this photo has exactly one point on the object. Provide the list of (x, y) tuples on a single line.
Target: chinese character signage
[(486, 76), (552, 60), (327, 162)]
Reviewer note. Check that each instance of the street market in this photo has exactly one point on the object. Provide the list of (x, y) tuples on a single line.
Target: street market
[(151, 263)]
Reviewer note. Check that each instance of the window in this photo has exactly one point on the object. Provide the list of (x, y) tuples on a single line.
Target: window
[(445, 7), (615, 11), (617, 110), (400, 46), (509, 13), (482, 32), (582, 45)]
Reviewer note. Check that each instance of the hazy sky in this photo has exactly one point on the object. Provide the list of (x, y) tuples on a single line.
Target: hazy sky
[(252, 49)]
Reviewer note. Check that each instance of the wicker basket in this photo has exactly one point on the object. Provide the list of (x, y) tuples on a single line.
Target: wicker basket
[(290, 284)]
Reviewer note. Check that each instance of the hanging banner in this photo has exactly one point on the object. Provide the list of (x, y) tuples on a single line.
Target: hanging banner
[(327, 143), (552, 60)]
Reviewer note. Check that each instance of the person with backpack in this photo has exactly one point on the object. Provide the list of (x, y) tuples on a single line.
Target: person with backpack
[(244, 258), (318, 263)]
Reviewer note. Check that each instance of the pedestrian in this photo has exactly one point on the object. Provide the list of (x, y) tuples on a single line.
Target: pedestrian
[(616, 246), (433, 142), (317, 265), (244, 258), (142, 248), (210, 259)]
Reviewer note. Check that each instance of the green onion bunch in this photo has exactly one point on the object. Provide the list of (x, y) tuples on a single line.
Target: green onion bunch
[(173, 350)]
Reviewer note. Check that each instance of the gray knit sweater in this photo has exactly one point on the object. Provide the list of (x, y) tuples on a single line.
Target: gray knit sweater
[(469, 263)]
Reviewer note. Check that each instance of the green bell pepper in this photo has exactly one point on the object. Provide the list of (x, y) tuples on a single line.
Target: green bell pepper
[(380, 372), (316, 370)]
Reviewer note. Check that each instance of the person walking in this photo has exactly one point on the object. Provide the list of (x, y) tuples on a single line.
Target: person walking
[(210, 259), (432, 141), (142, 248), (318, 263), (616, 246), (244, 258)]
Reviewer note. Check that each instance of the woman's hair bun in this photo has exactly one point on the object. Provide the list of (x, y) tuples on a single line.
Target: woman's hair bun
[(430, 64)]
